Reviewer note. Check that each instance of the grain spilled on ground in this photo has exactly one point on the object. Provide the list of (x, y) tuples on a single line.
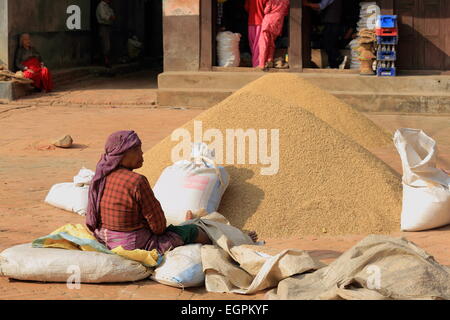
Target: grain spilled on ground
[(326, 184)]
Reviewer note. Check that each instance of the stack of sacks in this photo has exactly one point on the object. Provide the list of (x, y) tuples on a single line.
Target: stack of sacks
[(365, 25), (354, 63), (367, 14), (366, 40)]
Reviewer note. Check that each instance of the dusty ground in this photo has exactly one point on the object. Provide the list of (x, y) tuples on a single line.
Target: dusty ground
[(28, 169)]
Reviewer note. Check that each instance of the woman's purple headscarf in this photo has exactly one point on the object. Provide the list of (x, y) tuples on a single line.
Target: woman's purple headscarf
[(117, 144)]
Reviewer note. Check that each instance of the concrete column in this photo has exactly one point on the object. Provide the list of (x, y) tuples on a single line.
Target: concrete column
[(4, 31), (181, 27)]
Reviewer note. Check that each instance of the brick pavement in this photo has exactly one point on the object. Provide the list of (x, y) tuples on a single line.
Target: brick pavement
[(27, 172)]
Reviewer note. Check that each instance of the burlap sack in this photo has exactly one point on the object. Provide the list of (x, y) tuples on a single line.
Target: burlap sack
[(235, 264), (23, 262), (378, 267)]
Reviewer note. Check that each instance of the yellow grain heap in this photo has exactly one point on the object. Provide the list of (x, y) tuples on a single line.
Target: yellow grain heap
[(293, 89), (326, 181)]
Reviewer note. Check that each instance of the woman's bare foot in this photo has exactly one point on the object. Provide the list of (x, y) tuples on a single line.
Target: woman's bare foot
[(189, 215), (253, 235)]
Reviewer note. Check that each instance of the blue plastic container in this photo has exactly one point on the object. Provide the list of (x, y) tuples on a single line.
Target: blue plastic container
[(386, 56), (387, 40), (386, 72), (387, 21)]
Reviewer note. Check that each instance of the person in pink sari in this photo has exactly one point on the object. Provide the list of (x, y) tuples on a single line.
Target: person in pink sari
[(255, 10), (272, 26), (29, 61)]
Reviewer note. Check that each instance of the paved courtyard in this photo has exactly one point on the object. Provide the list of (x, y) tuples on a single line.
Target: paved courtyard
[(89, 113)]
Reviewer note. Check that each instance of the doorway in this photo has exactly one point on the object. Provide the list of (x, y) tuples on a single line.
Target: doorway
[(139, 20), (316, 38), (231, 16)]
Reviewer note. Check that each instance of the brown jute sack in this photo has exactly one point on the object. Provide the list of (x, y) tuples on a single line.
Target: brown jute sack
[(378, 267), (235, 264)]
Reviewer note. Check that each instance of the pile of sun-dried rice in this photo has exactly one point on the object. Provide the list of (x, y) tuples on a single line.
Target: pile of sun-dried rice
[(326, 182)]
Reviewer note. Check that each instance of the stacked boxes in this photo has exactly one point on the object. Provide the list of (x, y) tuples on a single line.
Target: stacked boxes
[(387, 40)]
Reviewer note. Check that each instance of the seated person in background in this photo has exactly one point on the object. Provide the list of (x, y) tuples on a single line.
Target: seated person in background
[(134, 47), (30, 62), (122, 209)]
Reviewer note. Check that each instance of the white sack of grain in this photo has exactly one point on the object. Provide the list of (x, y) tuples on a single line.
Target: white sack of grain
[(23, 262), (193, 184), (84, 177), (426, 194), (228, 49), (68, 196), (181, 268)]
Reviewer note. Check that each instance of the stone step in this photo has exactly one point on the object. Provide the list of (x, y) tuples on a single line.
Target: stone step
[(328, 81), (397, 102), (12, 90), (191, 98), (361, 101), (206, 80)]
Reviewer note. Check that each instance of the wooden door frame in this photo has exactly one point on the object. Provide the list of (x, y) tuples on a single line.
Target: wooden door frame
[(295, 37), (206, 36), (387, 6), (206, 33)]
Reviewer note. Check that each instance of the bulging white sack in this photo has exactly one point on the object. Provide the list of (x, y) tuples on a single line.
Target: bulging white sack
[(84, 177), (194, 185), (69, 197), (181, 268), (228, 49), (23, 262), (72, 196), (426, 193)]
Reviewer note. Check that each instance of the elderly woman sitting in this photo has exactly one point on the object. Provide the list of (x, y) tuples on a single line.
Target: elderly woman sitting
[(30, 62), (122, 209)]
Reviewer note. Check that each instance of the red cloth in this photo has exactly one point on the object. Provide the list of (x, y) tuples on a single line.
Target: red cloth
[(274, 13), (255, 9), (254, 33), (41, 76), (272, 26), (266, 48), (142, 239), (128, 204)]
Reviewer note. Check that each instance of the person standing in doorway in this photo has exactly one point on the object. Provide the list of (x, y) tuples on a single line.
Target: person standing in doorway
[(255, 9), (105, 18), (331, 11), (274, 13)]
